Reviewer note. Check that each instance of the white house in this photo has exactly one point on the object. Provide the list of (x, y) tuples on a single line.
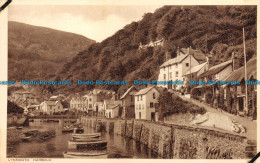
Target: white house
[(174, 69), (50, 107), (146, 103)]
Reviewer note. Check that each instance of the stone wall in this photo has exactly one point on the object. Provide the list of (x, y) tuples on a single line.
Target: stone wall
[(175, 141)]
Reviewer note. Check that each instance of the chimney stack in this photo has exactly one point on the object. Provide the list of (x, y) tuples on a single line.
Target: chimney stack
[(167, 56), (235, 61), (178, 51)]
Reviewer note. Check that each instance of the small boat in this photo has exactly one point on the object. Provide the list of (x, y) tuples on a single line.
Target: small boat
[(93, 145), (26, 138), (19, 127), (84, 155), (92, 135), (86, 139)]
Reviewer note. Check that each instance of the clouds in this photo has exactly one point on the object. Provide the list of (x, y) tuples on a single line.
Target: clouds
[(94, 22)]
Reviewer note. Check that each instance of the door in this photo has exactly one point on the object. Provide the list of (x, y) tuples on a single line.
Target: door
[(153, 116), (241, 104)]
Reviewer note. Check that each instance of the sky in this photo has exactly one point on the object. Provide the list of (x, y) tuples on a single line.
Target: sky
[(96, 22)]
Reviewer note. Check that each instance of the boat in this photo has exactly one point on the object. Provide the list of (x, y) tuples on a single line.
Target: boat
[(85, 139), (84, 155), (72, 144), (92, 135), (19, 127), (26, 138)]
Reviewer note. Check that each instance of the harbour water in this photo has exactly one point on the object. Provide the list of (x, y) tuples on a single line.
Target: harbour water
[(117, 146)]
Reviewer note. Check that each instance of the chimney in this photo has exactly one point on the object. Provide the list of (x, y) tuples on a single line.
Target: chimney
[(207, 62), (235, 61), (178, 52), (167, 56)]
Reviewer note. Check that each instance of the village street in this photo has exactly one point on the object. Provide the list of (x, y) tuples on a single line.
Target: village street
[(250, 125)]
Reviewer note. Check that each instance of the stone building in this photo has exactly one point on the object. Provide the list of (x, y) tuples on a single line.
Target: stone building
[(128, 103), (146, 103), (174, 69)]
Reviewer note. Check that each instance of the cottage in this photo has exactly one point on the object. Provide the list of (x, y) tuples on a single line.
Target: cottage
[(234, 95), (113, 111), (210, 92), (146, 103), (174, 69), (51, 107), (98, 95), (128, 103)]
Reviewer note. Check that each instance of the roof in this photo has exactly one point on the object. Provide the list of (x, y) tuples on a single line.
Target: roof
[(239, 74), (54, 97), (217, 68), (198, 54), (146, 90), (174, 60), (51, 102), (196, 68), (128, 91)]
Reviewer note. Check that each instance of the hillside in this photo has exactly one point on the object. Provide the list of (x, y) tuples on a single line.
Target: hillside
[(118, 57), (38, 52)]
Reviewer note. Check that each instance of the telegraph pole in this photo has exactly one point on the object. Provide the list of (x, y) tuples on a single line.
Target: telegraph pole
[(244, 42)]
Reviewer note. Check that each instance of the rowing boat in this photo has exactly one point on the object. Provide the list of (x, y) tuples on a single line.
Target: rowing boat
[(72, 144), (84, 155)]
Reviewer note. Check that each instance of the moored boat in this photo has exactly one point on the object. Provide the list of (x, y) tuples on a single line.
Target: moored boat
[(72, 144), (86, 139), (84, 155), (92, 135)]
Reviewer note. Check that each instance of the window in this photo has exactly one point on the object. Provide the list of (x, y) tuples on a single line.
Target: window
[(177, 73), (170, 75), (170, 67), (187, 65), (137, 98), (154, 95), (89, 99), (139, 115), (164, 76), (90, 106), (140, 106), (164, 69), (176, 65), (151, 104), (141, 97), (131, 98)]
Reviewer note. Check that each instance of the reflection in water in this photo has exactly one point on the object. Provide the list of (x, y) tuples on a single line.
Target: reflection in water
[(117, 146)]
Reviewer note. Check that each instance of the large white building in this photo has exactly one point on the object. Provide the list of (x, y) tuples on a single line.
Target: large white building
[(146, 103), (50, 107), (175, 68)]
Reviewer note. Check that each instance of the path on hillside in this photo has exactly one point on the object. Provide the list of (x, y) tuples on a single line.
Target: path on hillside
[(250, 125)]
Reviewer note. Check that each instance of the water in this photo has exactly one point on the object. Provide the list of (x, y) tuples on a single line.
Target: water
[(117, 147)]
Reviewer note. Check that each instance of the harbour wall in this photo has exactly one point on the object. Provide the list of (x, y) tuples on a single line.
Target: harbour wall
[(175, 141)]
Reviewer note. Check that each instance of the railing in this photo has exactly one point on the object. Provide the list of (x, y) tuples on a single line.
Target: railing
[(54, 117)]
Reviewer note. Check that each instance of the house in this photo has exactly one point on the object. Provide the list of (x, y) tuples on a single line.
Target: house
[(128, 103), (152, 44), (195, 72), (113, 108), (113, 111), (33, 109), (99, 109), (146, 103), (22, 95), (51, 107), (234, 95), (174, 69), (98, 95), (79, 103), (210, 92)]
